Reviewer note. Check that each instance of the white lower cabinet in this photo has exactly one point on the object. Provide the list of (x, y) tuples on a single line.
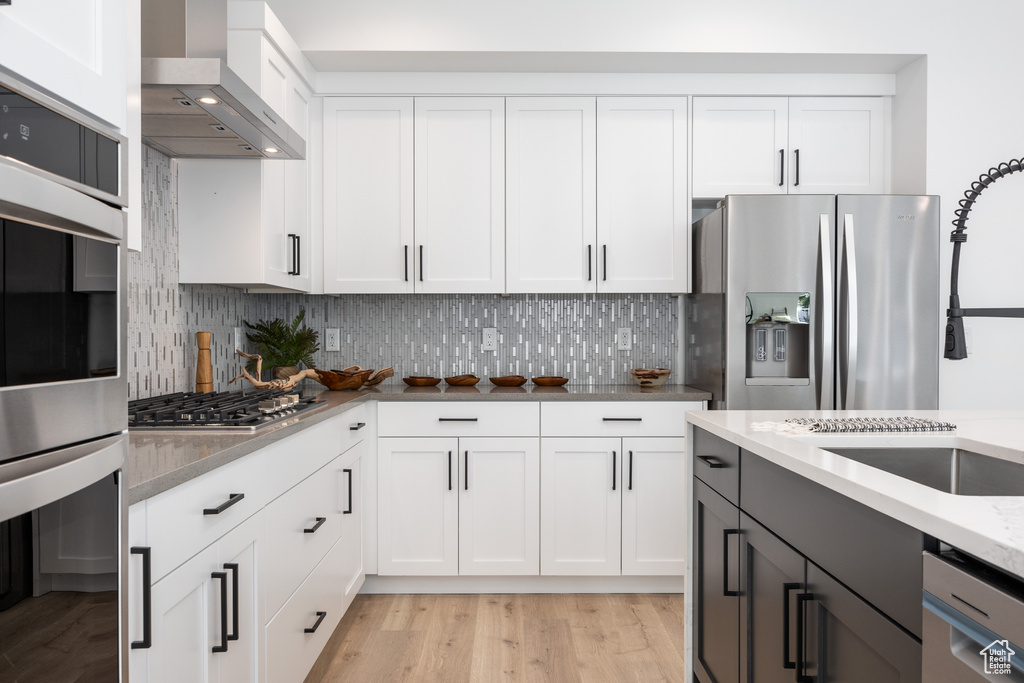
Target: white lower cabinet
[(654, 506), (353, 555)]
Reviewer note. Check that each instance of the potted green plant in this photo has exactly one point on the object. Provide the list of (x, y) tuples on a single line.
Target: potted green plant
[(283, 345)]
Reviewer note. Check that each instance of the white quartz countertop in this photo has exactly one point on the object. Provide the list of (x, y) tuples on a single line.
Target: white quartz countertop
[(988, 527)]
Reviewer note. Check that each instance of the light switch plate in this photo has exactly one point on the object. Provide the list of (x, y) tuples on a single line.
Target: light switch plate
[(624, 339), (332, 339)]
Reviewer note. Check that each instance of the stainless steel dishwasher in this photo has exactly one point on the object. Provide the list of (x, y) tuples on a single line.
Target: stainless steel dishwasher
[(973, 622)]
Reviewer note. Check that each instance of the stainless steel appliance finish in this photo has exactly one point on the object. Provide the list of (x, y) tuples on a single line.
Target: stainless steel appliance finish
[(973, 617), (868, 267), (233, 411)]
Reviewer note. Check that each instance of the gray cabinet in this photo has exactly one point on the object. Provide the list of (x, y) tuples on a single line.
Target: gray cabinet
[(716, 613)]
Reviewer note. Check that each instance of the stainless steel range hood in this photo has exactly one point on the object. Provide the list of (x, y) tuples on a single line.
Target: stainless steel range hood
[(193, 105)]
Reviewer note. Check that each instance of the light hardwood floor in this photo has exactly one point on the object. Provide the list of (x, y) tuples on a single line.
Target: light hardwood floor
[(531, 638)]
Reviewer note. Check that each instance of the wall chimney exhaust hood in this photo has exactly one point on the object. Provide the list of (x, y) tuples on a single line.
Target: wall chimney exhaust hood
[(193, 105)]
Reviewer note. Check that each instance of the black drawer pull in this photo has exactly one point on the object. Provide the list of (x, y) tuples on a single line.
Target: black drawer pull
[(711, 461), (801, 661), (233, 568), (348, 511), (622, 419), (319, 618), (235, 497), (786, 588), (357, 426), (725, 563), (147, 599), (223, 578), (458, 419), (319, 523)]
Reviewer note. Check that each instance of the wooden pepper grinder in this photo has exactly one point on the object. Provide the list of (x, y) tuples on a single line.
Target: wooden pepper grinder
[(204, 365)]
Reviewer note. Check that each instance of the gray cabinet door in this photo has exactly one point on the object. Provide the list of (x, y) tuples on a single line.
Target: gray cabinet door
[(717, 587), (772, 575), (851, 642)]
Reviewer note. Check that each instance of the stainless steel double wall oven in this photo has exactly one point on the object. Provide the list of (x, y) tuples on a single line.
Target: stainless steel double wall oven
[(63, 392)]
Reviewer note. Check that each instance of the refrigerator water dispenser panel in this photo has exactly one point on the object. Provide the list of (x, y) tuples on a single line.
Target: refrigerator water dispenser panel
[(778, 336)]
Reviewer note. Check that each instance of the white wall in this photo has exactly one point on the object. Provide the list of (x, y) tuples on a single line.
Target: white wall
[(974, 112)]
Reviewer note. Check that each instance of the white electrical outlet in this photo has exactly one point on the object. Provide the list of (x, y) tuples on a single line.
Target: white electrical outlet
[(490, 342), (625, 339), (237, 341), (332, 339)]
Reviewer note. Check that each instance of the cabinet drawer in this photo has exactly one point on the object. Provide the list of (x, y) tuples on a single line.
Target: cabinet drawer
[(462, 418), (615, 418), (716, 462), (297, 539), (294, 458), (291, 651), (354, 425), (182, 521)]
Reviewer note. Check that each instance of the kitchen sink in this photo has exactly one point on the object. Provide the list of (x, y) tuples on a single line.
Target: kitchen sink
[(952, 470)]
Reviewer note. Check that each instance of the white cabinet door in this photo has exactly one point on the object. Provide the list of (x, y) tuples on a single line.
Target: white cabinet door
[(739, 145), (581, 492), (499, 506), (460, 194), (353, 570), (418, 506), (550, 207), (837, 145), (642, 224), (368, 195), (239, 555), (654, 507)]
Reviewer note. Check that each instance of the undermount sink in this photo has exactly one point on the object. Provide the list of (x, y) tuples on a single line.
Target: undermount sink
[(952, 470)]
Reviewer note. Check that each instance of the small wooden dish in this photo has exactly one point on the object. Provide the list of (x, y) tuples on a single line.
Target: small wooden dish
[(550, 381), (380, 377), (417, 381), (509, 381), (343, 380), (462, 380)]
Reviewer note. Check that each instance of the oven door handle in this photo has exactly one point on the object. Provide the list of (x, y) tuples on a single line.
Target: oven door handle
[(33, 482)]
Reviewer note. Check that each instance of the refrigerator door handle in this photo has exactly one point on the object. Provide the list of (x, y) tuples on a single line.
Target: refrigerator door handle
[(849, 269), (826, 301)]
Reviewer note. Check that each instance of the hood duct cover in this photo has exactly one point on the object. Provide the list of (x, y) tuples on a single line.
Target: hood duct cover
[(184, 53)]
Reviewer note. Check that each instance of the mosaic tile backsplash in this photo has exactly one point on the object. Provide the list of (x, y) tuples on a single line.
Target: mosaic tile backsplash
[(423, 334)]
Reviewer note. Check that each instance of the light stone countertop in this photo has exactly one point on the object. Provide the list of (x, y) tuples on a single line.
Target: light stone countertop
[(159, 460), (988, 527)]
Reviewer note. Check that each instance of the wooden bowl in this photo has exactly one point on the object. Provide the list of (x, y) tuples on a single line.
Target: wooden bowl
[(418, 381), (650, 377), (462, 380), (509, 381), (380, 377), (550, 381), (344, 379)]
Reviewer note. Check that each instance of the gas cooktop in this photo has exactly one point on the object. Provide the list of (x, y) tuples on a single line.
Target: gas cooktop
[(220, 411)]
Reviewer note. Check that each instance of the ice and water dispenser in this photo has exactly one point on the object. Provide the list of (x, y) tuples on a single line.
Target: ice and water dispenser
[(778, 338)]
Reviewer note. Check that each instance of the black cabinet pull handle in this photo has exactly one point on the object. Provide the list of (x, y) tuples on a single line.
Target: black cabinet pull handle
[(467, 469), (298, 254), (319, 618), (782, 167), (457, 419), (711, 461), (319, 523), (235, 497), (449, 470), (796, 182), (233, 568), (614, 467), (622, 419), (223, 578), (348, 511), (357, 426), (407, 263), (590, 262), (801, 661), (604, 260), (291, 238), (421, 263), (631, 470), (726, 533), (147, 598), (786, 588)]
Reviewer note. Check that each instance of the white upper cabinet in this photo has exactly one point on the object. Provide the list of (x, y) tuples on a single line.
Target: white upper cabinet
[(76, 50), (368, 190), (551, 203), (778, 145), (642, 219), (460, 194)]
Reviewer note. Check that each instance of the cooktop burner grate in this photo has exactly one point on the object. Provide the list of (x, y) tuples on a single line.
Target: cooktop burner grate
[(225, 410)]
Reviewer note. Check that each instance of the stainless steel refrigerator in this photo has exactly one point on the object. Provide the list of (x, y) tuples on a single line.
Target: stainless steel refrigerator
[(816, 302)]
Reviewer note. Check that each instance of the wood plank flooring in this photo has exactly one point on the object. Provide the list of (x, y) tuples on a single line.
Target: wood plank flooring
[(562, 638)]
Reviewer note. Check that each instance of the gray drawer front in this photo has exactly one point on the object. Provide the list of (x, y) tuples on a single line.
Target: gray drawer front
[(716, 462), (874, 555)]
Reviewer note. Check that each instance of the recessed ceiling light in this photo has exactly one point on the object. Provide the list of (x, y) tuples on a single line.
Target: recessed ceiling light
[(209, 100), (271, 150)]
